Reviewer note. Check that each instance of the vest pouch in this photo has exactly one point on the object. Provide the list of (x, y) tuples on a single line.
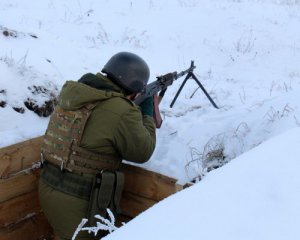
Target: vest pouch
[(106, 193)]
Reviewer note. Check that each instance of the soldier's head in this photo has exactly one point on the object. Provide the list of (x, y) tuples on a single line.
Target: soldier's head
[(127, 70)]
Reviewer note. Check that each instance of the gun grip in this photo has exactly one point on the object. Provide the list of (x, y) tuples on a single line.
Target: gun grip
[(156, 113)]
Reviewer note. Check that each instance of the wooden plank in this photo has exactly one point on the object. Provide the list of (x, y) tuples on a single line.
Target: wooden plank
[(56, 237), (132, 205), (34, 227), (18, 185), (147, 184), (20, 216), (121, 219), (13, 210), (138, 181), (19, 156)]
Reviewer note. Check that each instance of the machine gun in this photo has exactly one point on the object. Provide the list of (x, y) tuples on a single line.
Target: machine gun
[(161, 85)]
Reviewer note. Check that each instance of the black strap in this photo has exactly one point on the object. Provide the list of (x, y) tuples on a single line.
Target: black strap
[(105, 190), (100, 198), (67, 182)]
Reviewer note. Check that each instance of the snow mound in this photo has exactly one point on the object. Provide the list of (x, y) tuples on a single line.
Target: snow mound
[(256, 196)]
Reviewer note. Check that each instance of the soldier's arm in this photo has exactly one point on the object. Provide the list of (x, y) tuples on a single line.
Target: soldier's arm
[(135, 136)]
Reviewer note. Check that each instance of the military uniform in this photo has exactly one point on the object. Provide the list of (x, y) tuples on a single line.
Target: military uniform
[(114, 129)]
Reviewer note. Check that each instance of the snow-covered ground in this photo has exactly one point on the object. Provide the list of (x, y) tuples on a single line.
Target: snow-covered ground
[(247, 54), (256, 196)]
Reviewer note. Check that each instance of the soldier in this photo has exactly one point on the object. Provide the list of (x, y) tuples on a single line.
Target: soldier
[(94, 127)]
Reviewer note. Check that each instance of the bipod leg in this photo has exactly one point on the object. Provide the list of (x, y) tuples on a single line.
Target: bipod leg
[(203, 89), (179, 90)]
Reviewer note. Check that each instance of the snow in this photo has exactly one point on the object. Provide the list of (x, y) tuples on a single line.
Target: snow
[(256, 196), (247, 55)]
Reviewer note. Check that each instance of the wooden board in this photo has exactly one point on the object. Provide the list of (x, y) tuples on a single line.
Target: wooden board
[(34, 227), (19, 207), (17, 185), (19, 156), (132, 205), (147, 184)]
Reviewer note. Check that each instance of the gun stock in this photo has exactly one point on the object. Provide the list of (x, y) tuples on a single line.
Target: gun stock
[(156, 113)]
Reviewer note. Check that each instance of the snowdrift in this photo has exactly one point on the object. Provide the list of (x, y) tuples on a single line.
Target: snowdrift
[(256, 196)]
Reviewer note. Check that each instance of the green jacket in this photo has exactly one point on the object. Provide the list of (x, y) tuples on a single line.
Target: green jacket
[(116, 125)]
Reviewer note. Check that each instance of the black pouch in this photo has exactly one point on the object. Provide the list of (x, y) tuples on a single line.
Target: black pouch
[(106, 193)]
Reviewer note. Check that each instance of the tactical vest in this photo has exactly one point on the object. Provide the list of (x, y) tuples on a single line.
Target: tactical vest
[(61, 144)]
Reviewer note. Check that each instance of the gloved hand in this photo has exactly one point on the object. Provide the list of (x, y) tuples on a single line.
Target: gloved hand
[(146, 106)]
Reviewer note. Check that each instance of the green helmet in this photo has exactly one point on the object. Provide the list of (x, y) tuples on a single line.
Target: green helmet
[(128, 70)]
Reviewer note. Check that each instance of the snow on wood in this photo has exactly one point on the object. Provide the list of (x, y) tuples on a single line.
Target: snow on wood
[(19, 156)]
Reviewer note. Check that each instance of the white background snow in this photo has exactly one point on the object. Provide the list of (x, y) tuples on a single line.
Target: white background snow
[(247, 55)]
